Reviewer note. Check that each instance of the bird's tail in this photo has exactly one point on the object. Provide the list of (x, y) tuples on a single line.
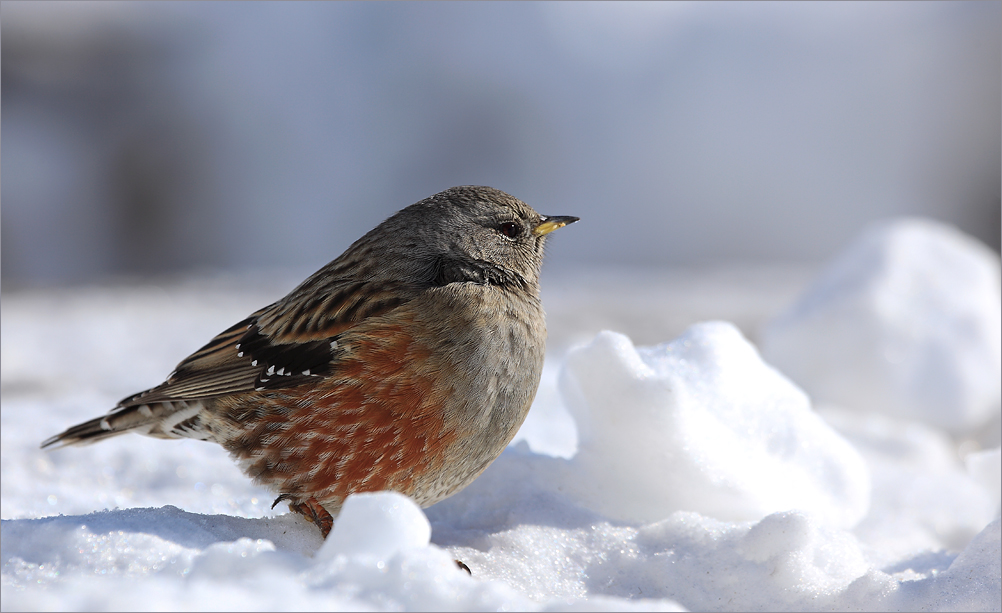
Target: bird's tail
[(82, 434), (159, 419)]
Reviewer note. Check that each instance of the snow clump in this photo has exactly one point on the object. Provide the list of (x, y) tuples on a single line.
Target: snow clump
[(906, 321), (702, 424)]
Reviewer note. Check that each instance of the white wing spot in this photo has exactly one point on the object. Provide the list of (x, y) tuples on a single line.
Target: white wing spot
[(271, 370), (306, 372), (145, 411), (253, 362), (281, 371), (105, 425), (240, 354), (333, 345)]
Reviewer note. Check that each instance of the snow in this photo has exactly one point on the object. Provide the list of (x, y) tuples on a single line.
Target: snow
[(717, 431), (377, 525), (688, 473), (986, 468), (904, 322)]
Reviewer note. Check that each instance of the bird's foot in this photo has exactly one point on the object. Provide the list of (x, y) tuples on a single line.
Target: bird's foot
[(312, 510)]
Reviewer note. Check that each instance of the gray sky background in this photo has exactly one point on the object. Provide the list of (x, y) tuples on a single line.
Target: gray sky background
[(149, 138)]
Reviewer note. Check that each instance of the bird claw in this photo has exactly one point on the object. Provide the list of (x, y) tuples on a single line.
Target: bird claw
[(312, 510)]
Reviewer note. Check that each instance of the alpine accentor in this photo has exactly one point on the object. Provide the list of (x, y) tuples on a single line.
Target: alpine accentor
[(407, 364)]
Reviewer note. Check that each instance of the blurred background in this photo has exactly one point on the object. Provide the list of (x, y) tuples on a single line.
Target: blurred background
[(143, 139)]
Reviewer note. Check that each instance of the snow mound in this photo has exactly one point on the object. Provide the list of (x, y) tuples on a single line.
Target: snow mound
[(918, 480), (111, 561), (907, 321), (973, 582), (377, 525), (702, 424), (784, 562), (986, 468)]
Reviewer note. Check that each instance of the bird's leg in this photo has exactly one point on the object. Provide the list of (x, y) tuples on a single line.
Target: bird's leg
[(316, 513), (311, 510)]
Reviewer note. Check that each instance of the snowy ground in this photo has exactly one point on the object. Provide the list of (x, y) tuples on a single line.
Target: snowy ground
[(665, 466)]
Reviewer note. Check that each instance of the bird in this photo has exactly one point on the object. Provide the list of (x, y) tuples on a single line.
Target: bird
[(408, 363)]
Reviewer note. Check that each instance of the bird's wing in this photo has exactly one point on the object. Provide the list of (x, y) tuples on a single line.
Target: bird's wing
[(283, 345)]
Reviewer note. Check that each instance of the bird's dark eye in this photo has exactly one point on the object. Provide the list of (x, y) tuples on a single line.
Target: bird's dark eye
[(510, 229)]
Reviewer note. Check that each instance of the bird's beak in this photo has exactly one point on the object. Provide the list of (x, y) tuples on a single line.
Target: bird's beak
[(549, 224)]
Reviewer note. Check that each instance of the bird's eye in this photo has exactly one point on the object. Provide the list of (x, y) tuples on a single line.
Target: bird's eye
[(510, 229)]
